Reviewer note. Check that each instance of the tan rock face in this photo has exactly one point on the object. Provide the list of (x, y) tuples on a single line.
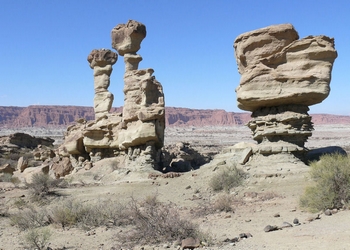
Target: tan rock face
[(280, 77), (277, 69), (127, 38)]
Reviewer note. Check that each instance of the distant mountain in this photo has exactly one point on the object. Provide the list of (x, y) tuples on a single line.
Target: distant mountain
[(62, 116)]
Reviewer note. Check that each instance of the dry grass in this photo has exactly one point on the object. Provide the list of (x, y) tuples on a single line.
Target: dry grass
[(227, 179)]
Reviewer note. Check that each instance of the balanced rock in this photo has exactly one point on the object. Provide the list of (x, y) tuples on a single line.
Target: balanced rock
[(127, 38), (134, 136), (280, 77), (278, 69)]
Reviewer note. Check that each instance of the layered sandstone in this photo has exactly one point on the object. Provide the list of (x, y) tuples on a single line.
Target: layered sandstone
[(280, 77)]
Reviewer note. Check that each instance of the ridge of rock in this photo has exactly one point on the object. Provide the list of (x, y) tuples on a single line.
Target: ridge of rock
[(61, 116)]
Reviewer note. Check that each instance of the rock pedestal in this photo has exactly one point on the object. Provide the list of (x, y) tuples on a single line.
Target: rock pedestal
[(101, 62), (135, 136), (144, 109), (280, 77)]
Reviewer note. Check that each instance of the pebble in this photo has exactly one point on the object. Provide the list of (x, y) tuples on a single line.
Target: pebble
[(277, 215), (270, 228), (286, 224), (296, 221), (328, 212)]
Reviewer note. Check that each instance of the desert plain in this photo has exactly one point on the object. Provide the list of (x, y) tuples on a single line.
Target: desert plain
[(262, 199)]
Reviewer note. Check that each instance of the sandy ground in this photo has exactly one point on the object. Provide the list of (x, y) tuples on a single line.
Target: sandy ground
[(257, 204)]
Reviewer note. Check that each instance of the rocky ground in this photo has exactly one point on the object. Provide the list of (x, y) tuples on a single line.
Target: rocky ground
[(262, 200)]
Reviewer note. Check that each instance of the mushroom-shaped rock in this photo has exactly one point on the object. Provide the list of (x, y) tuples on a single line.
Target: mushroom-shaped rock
[(102, 58), (277, 69), (127, 38), (280, 77)]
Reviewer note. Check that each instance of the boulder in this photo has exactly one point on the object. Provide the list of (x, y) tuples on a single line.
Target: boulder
[(278, 69), (190, 243), (127, 38), (22, 164), (62, 168)]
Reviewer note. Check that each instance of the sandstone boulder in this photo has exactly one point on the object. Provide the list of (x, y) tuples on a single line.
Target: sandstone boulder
[(22, 164), (62, 168), (127, 38), (102, 58), (278, 69)]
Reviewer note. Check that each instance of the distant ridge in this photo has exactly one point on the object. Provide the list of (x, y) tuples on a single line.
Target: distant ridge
[(62, 116)]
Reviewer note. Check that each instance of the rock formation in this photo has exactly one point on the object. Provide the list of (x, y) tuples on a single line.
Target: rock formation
[(280, 77), (143, 111), (101, 62), (136, 134)]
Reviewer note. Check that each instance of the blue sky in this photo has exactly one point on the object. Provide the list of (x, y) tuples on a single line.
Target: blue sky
[(44, 45)]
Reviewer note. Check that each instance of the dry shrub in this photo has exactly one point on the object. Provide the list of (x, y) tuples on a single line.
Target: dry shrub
[(85, 215), (268, 196), (37, 238), (6, 177), (331, 189), (30, 218), (154, 222), (223, 203), (41, 186), (227, 179)]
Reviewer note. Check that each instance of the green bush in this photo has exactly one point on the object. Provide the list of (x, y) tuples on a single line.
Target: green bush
[(227, 179), (331, 188)]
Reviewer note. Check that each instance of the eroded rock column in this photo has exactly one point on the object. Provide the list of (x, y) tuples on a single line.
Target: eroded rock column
[(144, 109), (101, 62), (280, 77)]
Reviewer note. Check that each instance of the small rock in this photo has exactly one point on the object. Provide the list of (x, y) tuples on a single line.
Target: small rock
[(190, 243), (248, 220), (245, 235), (296, 221), (277, 215), (286, 224), (188, 187), (312, 218), (249, 235), (328, 212), (334, 211), (270, 228)]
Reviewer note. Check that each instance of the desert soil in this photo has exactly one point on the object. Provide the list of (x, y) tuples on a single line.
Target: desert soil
[(257, 202)]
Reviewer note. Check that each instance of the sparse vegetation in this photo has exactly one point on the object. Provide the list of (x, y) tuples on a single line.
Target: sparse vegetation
[(223, 203), (30, 218), (72, 213), (331, 188), (154, 222), (227, 179), (6, 177), (41, 185), (37, 238)]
